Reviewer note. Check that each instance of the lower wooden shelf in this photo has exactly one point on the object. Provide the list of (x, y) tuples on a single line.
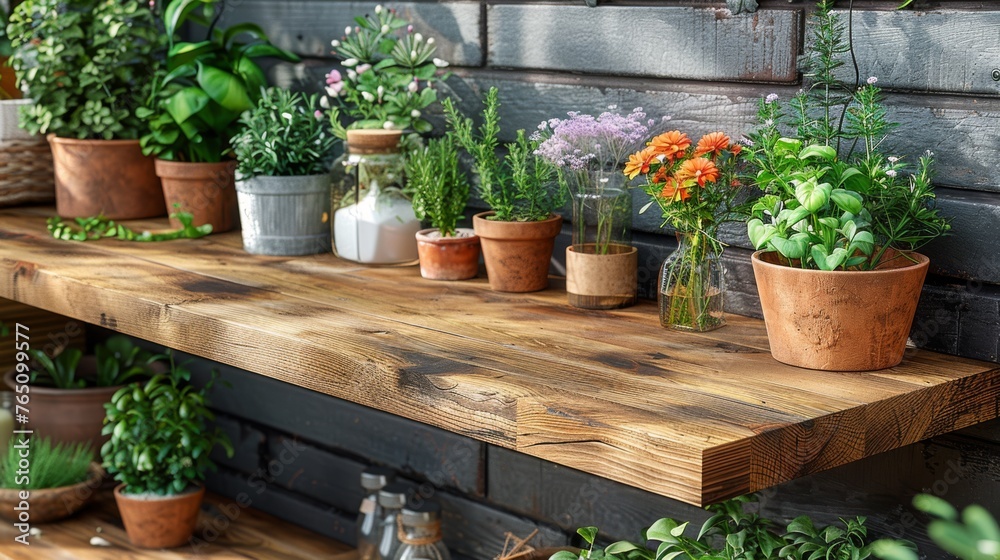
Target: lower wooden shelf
[(699, 417)]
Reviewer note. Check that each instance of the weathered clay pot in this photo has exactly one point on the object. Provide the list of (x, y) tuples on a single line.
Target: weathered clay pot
[(840, 320), (448, 258), (109, 177), (159, 521), (605, 281), (69, 415), (52, 504), (517, 254), (285, 215), (8, 80), (206, 190)]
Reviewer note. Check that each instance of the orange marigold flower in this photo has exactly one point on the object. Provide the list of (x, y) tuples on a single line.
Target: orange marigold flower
[(639, 162), (713, 143), (670, 144), (674, 191), (702, 170), (736, 149)]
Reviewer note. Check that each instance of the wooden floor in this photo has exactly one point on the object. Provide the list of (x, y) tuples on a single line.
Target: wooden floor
[(251, 534), (697, 417)]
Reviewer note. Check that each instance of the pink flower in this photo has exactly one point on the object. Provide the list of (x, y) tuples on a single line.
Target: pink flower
[(364, 68), (318, 114), (409, 29), (333, 77)]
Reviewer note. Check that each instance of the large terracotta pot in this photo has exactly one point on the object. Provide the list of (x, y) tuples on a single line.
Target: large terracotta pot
[(109, 177), (448, 258), (69, 415), (206, 190), (159, 521), (51, 504), (840, 320), (517, 254)]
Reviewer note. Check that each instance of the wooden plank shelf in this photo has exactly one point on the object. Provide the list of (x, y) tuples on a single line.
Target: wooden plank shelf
[(696, 417)]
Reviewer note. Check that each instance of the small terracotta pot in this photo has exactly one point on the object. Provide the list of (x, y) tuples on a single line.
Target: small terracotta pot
[(109, 177), (605, 281), (69, 415), (840, 320), (8, 80), (51, 504), (448, 258), (159, 521), (206, 190), (517, 254)]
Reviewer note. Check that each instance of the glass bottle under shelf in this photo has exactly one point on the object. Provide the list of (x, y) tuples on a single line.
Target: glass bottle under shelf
[(420, 533), (391, 499), (370, 514)]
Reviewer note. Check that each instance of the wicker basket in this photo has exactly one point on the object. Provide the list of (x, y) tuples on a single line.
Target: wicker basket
[(26, 172)]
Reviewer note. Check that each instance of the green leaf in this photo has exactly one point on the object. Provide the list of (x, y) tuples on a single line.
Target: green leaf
[(620, 547), (258, 50), (177, 13), (863, 241), (786, 146), (564, 555), (825, 153), (981, 523), (759, 234), (186, 102), (828, 261), (662, 530), (848, 201), (589, 534), (248, 28), (811, 194), (224, 88), (185, 53), (790, 248), (252, 75), (935, 506)]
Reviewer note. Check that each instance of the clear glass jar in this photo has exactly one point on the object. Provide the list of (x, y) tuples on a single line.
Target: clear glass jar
[(370, 514), (420, 533), (373, 221), (692, 285), (391, 499)]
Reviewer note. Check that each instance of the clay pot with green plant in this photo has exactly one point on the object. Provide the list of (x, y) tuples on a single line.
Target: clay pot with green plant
[(837, 227), (87, 65), (524, 191), (68, 390), (59, 481), (159, 452), (194, 111), (440, 193)]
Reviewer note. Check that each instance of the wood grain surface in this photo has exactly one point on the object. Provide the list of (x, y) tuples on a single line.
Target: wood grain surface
[(696, 417)]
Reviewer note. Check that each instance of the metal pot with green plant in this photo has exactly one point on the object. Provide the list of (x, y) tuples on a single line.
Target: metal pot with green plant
[(159, 452), (283, 175), (195, 107), (68, 390), (839, 222), (88, 64), (440, 193), (523, 189), (59, 480)]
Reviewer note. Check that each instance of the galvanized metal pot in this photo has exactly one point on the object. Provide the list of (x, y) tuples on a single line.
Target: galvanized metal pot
[(285, 215)]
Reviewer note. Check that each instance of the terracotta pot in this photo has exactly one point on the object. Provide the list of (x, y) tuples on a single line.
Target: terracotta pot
[(206, 190), (517, 254), (159, 521), (840, 320), (51, 504), (605, 281), (69, 415), (8, 80), (448, 258), (109, 177)]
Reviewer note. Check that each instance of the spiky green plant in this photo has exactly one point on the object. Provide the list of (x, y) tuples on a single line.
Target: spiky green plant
[(50, 466)]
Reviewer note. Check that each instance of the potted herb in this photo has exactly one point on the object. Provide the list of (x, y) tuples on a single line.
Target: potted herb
[(159, 452), (87, 65), (440, 193), (68, 390), (971, 535), (389, 71), (601, 264), (59, 480), (695, 188), (283, 176), (839, 222), (524, 191), (194, 111)]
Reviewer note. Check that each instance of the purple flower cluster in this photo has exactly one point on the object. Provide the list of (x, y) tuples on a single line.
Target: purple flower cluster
[(587, 143)]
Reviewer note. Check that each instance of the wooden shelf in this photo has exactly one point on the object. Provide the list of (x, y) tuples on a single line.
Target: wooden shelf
[(696, 417)]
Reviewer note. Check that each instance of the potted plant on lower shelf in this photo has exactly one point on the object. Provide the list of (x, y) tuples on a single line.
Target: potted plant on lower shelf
[(60, 479), (195, 108), (283, 176), (524, 191), (87, 65), (837, 227), (440, 193), (159, 452), (695, 188)]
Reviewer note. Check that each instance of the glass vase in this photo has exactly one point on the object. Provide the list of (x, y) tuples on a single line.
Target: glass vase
[(691, 285)]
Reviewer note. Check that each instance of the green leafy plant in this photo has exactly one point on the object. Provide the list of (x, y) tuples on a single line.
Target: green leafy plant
[(5, 47), (833, 200), (198, 97), (99, 227), (59, 371), (88, 64), (120, 360), (159, 440), (283, 136), (439, 186), (521, 187), (53, 465), (973, 535), (391, 71)]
